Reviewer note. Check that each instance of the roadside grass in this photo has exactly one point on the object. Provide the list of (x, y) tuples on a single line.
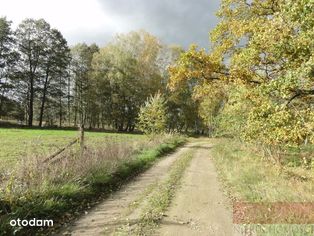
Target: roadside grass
[(65, 189), (250, 177), (16, 143)]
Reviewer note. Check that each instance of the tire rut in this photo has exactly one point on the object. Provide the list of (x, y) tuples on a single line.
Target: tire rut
[(113, 212), (199, 208)]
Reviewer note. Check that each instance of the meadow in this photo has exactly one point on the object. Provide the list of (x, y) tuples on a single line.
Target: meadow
[(70, 182), (16, 143)]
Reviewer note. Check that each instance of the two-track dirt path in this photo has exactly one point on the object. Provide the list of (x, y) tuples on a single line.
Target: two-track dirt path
[(198, 208)]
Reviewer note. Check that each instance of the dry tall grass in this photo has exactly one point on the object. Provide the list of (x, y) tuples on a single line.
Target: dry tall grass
[(31, 174)]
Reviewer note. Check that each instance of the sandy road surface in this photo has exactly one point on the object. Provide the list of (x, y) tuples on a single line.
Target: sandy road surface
[(106, 217), (198, 208)]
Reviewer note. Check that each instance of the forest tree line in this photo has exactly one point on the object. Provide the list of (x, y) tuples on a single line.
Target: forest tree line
[(257, 81), (45, 82)]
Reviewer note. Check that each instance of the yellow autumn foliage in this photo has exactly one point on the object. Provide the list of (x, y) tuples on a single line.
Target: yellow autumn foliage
[(257, 80)]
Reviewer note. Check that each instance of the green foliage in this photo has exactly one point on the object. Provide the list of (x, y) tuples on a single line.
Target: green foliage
[(152, 116), (232, 117), (125, 73), (41, 68), (182, 112), (277, 54), (95, 87), (275, 124), (83, 102), (8, 59), (270, 49)]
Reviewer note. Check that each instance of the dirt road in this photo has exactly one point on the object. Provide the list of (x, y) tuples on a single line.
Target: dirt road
[(198, 207)]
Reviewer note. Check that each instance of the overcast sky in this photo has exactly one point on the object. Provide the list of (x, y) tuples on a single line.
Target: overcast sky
[(174, 21)]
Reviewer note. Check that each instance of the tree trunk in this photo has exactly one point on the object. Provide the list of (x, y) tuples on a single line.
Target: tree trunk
[(90, 123), (75, 116), (31, 102), (131, 128), (120, 128), (1, 102), (43, 101), (60, 112), (1, 107), (60, 102), (82, 139), (69, 101)]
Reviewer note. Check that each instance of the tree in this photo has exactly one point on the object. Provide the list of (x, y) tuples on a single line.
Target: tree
[(54, 69), (81, 69), (128, 72), (183, 109), (32, 38), (8, 57), (269, 50), (44, 57), (152, 116)]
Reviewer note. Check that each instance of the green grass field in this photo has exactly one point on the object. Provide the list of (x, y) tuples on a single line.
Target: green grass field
[(18, 143), (63, 189)]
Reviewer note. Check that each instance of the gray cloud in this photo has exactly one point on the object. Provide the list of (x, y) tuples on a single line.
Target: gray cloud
[(174, 21)]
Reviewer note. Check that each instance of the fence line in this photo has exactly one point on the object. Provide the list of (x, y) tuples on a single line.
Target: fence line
[(60, 151)]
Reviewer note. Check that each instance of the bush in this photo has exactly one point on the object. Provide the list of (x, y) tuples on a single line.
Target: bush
[(152, 117)]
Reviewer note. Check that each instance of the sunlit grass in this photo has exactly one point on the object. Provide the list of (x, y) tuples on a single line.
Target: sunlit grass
[(249, 177), (18, 143), (252, 178)]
